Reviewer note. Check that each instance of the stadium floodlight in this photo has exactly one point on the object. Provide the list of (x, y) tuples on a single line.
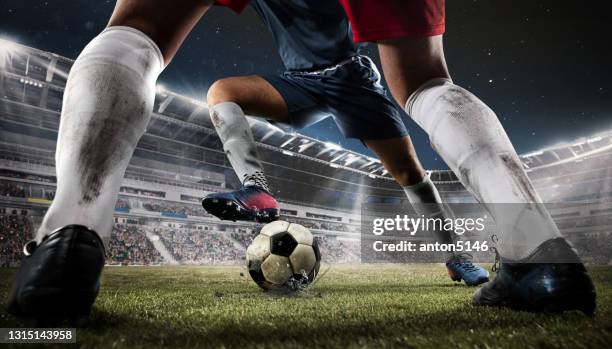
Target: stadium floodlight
[(351, 158), (535, 153), (337, 158), (288, 153), (30, 82), (273, 127), (305, 146), (332, 146), (367, 164), (268, 134), (161, 89), (293, 137), (10, 46), (594, 139), (7, 49), (579, 142)]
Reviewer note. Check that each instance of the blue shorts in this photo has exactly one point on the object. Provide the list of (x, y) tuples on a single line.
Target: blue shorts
[(349, 92)]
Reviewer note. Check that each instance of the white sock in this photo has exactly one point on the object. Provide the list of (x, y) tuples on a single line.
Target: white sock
[(426, 201), (468, 136), (107, 105), (238, 143)]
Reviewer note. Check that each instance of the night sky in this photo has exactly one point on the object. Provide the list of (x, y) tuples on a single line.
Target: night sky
[(543, 66)]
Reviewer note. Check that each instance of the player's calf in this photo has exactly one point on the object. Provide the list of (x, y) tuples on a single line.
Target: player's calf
[(107, 105), (253, 201)]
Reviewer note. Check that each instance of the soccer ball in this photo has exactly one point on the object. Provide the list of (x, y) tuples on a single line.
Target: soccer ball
[(284, 256)]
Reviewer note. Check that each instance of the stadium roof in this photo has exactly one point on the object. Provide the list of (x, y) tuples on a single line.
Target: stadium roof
[(178, 117), (187, 121), (573, 151)]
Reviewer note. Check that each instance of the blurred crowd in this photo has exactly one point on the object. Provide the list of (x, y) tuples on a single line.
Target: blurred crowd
[(190, 246), (322, 225), (144, 192), (593, 247), (28, 176), (15, 231), (122, 204), (12, 190), (130, 245), (179, 209), (333, 250)]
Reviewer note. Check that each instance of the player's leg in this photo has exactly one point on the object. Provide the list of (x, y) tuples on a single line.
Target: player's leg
[(228, 100), (400, 159), (469, 137), (539, 270), (107, 104)]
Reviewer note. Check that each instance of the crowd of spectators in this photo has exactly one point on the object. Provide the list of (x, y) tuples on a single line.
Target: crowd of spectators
[(322, 225), (335, 251), (15, 231), (122, 204), (243, 237), (130, 245), (144, 192), (178, 209), (11, 189), (189, 246), (49, 194), (28, 176)]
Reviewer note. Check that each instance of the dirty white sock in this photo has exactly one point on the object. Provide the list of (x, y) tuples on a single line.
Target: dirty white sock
[(426, 201), (107, 105), (469, 137), (238, 143)]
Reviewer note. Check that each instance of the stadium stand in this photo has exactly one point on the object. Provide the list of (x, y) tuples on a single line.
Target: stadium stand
[(180, 159), (190, 246), (129, 245), (15, 231)]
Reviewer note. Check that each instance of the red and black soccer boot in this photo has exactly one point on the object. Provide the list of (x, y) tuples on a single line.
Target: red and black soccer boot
[(249, 203), (551, 280), (60, 277)]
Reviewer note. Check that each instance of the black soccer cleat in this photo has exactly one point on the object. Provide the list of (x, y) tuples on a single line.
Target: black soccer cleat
[(60, 277), (552, 280)]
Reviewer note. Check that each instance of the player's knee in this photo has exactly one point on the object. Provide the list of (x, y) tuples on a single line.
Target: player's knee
[(426, 73), (221, 91), (404, 176), (165, 22)]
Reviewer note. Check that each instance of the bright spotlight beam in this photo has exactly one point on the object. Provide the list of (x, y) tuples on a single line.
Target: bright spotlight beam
[(8, 48)]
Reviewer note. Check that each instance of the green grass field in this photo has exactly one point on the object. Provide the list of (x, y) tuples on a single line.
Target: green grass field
[(351, 306)]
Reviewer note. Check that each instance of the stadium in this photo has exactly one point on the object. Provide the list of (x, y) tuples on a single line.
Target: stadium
[(159, 224)]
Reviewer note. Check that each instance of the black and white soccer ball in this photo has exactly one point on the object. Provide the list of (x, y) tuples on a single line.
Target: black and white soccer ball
[(284, 256)]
